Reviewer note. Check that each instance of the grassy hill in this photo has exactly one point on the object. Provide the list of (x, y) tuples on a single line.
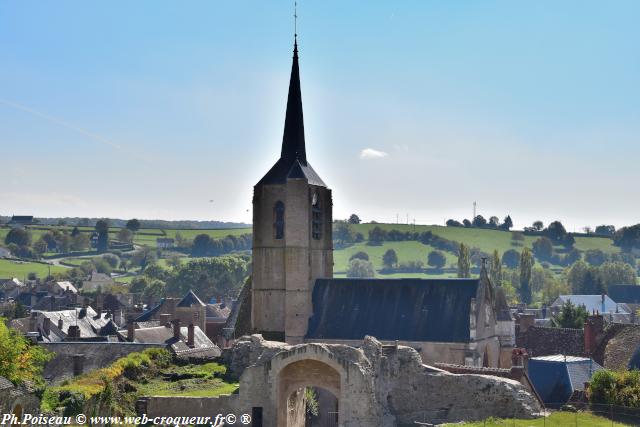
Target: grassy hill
[(20, 269)]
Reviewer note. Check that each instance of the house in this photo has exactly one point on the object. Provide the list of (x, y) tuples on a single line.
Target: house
[(184, 342), (97, 280), (21, 220), (188, 309), (618, 313), (10, 288), (557, 379), (80, 324), (217, 315), (63, 287), (165, 242), (4, 253)]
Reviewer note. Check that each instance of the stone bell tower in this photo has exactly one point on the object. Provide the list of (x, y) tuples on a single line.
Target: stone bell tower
[(292, 244)]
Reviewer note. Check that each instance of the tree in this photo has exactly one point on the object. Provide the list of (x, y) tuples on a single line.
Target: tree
[(143, 257), (359, 268), (343, 232), (494, 222), (112, 259), (584, 279), (517, 237), (201, 245), (568, 241), (464, 261), (376, 236), (495, 269), (174, 262), (133, 225), (511, 258), (359, 255), (526, 264), (354, 219), (20, 360), (617, 273), (390, 258), (138, 284), (75, 232), (571, 316), (627, 238), (102, 228), (466, 223), (18, 236), (125, 235), (80, 242), (595, 257), (606, 230), (507, 223), (555, 231), (436, 259), (543, 248), (538, 225), (454, 223), (479, 221)]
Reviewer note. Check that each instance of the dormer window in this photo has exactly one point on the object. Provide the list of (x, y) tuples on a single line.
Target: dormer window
[(316, 218), (278, 223)]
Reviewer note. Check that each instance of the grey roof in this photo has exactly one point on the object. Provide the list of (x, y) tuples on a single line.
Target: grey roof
[(5, 384), (189, 300), (91, 325), (148, 315), (219, 311), (592, 303), (164, 335), (392, 309)]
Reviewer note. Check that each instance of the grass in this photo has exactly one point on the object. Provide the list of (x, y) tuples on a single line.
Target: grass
[(21, 269), (205, 381), (557, 419)]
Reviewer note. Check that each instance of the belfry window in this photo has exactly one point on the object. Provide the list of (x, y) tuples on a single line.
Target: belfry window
[(278, 223), (316, 218)]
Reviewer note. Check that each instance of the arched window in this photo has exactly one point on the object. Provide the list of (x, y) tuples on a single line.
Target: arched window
[(316, 218), (278, 223)]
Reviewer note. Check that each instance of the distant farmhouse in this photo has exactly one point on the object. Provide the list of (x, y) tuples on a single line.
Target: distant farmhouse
[(165, 242), (21, 220)]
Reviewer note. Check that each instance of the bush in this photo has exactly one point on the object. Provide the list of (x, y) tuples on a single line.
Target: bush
[(616, 388), (359, 255)]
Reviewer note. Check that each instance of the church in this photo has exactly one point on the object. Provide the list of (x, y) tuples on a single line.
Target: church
[(295, 299)]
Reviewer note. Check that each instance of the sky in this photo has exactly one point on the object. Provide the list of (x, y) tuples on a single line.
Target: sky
[(413, 109)]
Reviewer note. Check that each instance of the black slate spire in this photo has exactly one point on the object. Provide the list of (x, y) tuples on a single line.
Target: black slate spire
[(292, 163), (293, 139)]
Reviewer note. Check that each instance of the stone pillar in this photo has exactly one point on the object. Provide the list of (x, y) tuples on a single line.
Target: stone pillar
[(78, 364), (176, 329), (191, 336)]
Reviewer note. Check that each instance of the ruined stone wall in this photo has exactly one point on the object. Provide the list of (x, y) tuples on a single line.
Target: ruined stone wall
[(540, 341), (94, 355)]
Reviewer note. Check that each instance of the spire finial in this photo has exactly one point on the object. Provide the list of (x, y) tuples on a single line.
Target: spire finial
[(295, 20)]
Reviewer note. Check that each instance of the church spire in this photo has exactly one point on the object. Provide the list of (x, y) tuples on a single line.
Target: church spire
[(293, 139)]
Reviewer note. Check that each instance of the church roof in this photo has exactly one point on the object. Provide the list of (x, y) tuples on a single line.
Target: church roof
[(392, 309), (292, 163)]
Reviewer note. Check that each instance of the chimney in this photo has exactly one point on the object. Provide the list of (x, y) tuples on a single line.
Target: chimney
[(60, 323), (525, 321), (593, 328), (165, 320), (99, 312), (191, 336), (176, 329), (33, 322), (73, 332), (602, 307), (46, 326), (131, 331)]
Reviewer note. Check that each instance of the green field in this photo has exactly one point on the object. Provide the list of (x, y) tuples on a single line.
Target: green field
[(21, 269), (557, 419)]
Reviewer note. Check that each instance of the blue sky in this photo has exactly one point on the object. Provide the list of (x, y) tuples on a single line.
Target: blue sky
[(151, 109)]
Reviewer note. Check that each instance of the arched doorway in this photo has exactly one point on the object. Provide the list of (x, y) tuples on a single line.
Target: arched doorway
[(17, 411), (293, 381)]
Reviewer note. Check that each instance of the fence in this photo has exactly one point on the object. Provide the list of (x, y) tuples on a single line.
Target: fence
[(577, 415)]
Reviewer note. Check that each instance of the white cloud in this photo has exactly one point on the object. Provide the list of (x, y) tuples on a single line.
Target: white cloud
[(370, 153)]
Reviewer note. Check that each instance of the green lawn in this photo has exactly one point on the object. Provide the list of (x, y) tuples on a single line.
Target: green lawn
[(557, 419), (21, 269), (204, 382)]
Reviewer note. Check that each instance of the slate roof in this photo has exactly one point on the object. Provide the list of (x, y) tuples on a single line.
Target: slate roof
[(91, 325), (189, 300), (164, 335), (392, 309), (67, 286), (556, 377), (592, 303), (293, 157), (628, 294), (148, 315)]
